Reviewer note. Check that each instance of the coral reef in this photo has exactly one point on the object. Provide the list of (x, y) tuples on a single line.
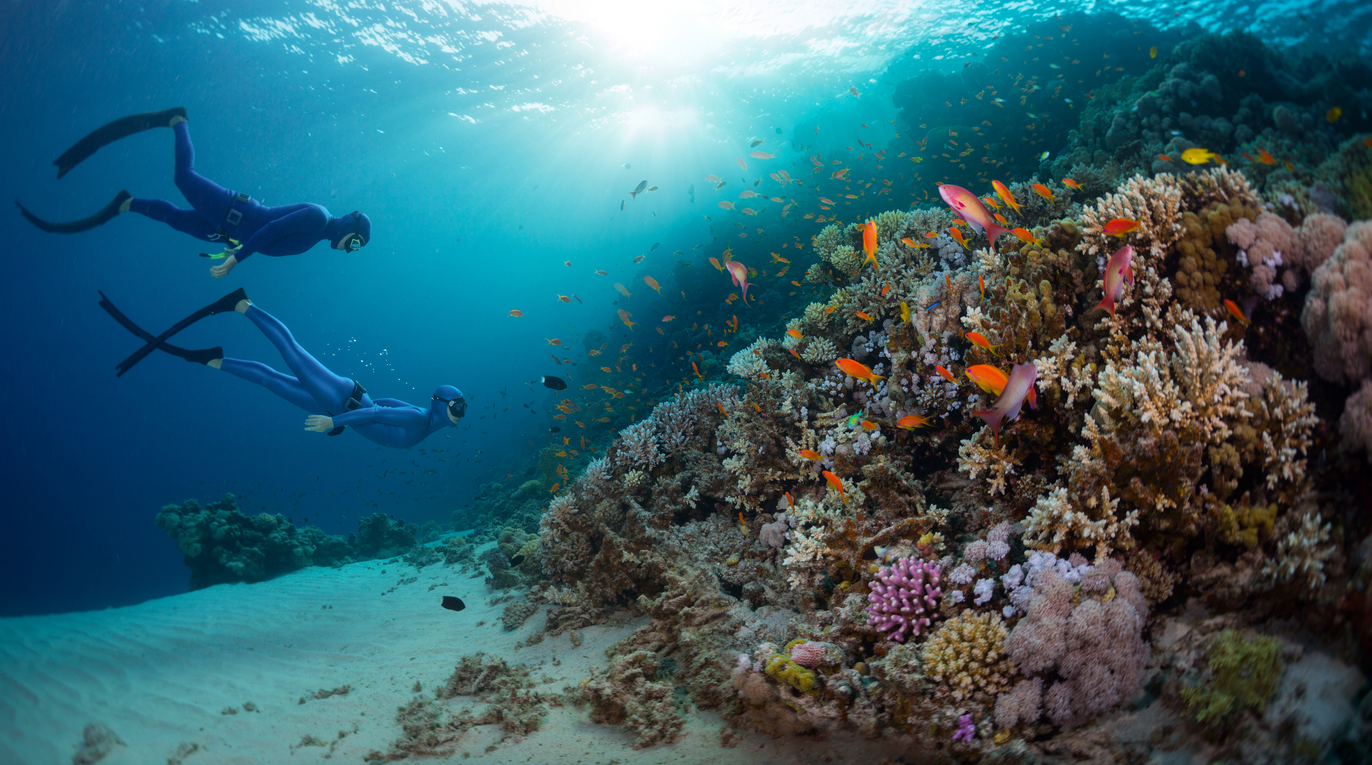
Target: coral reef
[(1240, 673), (1338, 310)]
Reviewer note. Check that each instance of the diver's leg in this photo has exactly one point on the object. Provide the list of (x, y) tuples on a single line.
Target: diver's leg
[(207, 197), (330, 390), (281, 384), (185, 221)]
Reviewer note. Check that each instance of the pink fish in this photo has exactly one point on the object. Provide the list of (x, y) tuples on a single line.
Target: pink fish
[(739, 273), (1118, 271), (969, 207), (1018, 387)]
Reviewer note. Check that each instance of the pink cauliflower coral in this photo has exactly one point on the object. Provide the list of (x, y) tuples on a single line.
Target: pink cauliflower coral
[(904, 597), (1356, 423), (1338, 311)]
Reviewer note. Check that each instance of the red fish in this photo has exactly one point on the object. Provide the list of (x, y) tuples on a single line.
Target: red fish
[(945, 374), (1120, 226), (1044, 192), (1071, 184), (980, 341), (912, 421), (969, 207), (988, 378), (1018, 389), (1235, 311), (1118, 272), (739, 273), (1004, 193)]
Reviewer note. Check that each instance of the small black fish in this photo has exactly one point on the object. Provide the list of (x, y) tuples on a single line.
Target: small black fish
[(453, 604), (556, 383), (554, 430), (516, 560), (621, 204)]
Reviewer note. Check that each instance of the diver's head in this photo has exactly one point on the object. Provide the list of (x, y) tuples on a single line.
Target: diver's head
[(454, 402), (350, 232)]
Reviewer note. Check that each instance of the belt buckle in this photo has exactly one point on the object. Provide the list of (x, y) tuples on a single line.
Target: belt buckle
[(242, 197), (234, 217)]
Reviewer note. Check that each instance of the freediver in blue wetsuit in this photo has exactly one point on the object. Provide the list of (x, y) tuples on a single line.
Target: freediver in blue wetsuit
[(235, 220), (334, 402)]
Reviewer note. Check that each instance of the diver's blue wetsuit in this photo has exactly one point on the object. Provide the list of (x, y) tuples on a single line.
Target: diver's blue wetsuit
[(387, 421), (283, 230)]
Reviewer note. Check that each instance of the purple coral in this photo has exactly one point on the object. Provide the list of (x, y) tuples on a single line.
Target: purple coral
[(903, 597), (966, 730)]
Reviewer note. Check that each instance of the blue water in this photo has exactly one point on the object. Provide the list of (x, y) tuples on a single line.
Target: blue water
[(489, 144)]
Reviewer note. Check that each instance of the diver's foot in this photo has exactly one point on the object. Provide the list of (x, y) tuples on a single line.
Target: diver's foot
[(214, 363), (242, 306), (124, 206), (178, 115)]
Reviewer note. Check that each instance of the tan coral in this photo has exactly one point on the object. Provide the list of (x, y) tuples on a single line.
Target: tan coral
[(966, 659)]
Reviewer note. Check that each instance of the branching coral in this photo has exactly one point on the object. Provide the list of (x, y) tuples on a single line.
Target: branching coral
[(903, 598), (966, 659)]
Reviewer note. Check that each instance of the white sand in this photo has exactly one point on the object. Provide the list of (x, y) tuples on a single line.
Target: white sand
[(160, 673)]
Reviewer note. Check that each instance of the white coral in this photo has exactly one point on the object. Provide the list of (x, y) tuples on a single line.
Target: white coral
[(1302, 553)]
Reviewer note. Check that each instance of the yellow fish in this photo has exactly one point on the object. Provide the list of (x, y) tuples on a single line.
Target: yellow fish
[(1198, 156)]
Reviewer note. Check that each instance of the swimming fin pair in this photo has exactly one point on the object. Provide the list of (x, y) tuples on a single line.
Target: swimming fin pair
[(222, 305), (108, 134)]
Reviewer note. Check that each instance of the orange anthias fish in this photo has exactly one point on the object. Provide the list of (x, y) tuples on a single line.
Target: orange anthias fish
[(624, 317), (1024, 235), (621, 289), (810, 454), (869, 425), (651, 282), (987, 377), (1118, 272), (516, 313), (554, 341), (912, 421), (945, 374), (1266, 158), (1071, 184), (837, 483), (980, 341), (1004, 193), (739, 273), (696, 369), (863, 316), (968, 206), (858, 370), (981, 282), (869, 243), (715, 262), (795, 333), (668, 318), (1235, 311), (1120, 226), (1044, 192), (956, 233), (1018, 389), (908, 242)]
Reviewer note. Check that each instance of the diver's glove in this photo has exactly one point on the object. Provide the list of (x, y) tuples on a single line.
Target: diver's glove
[(222, 255)]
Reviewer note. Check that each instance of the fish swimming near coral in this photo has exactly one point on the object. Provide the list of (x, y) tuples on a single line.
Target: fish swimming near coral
[(859, 370), (912, 421), (980, 341), (969, 207), (837, 484), (1018, 389), (1118, 272), (1004, 193), (987, 377), (1198, 156), (1120, 227), (1044, 192), (624, 317), (555, 383), (869, 243)]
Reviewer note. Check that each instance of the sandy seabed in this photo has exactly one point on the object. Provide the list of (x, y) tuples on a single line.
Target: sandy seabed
[(162, 675)]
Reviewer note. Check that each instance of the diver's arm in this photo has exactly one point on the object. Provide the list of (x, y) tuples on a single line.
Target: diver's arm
[(408, 416), (307, 220), (391, 402)]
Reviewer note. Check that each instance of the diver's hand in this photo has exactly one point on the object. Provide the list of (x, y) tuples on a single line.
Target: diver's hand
[(222, 270), (319, 423)]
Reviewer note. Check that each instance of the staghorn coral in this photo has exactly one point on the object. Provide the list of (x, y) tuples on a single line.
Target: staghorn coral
[(965, 658), (1302, 554), (1338, 311)]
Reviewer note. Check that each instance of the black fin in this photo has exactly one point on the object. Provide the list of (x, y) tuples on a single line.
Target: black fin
[(85, 224), (222, 305), (202, 356), (338, 431), (120, 128)]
